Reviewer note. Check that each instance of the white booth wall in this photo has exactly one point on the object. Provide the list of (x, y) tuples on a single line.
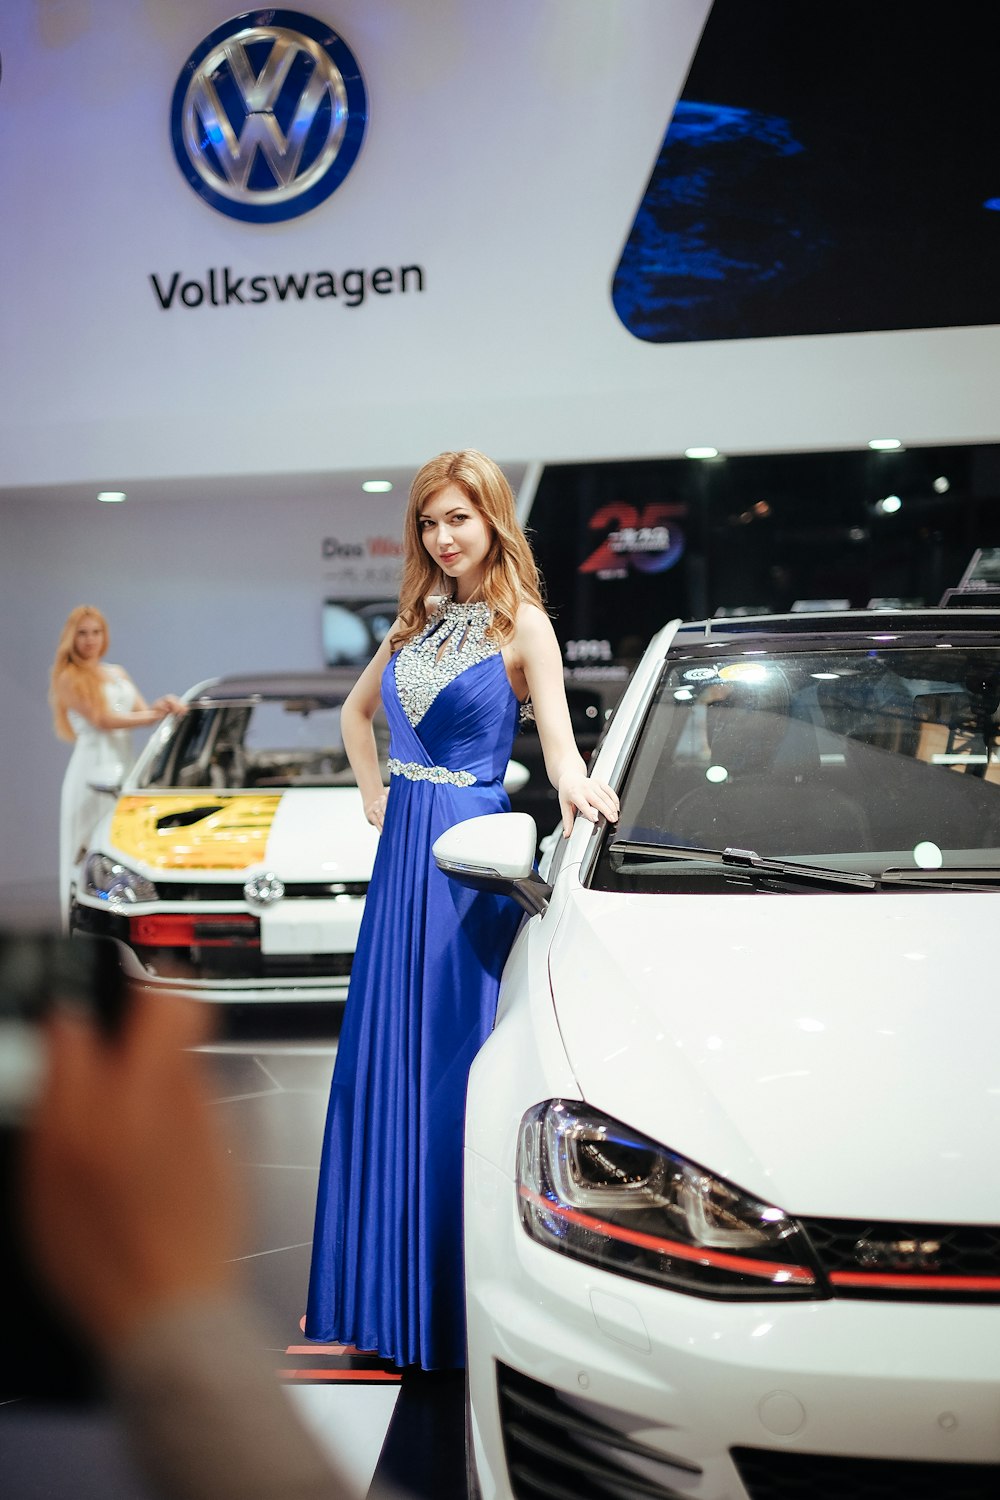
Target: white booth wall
[(506, 152)]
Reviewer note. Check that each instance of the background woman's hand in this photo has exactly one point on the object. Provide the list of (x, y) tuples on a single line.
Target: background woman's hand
[(169, 703), (587, 795), (375, 810)]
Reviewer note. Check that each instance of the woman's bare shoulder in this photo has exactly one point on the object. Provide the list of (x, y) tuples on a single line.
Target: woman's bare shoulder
[(531, 622), (534, 639)]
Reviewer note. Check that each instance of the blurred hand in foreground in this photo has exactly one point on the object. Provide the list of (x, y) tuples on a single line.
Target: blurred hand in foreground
[(130, 1203)]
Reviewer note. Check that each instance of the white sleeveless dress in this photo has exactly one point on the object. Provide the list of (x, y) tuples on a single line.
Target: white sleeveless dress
[(98, 755)]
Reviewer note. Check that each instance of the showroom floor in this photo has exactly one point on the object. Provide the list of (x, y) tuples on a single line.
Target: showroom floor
[(385, 1428)]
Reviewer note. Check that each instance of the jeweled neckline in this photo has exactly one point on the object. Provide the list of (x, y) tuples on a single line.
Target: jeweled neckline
[(453, 640), (468, 607)]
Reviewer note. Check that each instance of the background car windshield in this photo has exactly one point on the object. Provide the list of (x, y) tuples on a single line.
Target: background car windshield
[(245, 746), (860, 759)]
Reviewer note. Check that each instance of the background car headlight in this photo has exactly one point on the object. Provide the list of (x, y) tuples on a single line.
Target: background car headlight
[(116, 884), (591, 1188)]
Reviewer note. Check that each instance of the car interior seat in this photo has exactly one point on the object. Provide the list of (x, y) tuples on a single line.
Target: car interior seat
[(910, 799), (765, 788), (228, 767)]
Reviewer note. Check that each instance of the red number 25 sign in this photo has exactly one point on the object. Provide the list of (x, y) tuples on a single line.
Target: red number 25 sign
[(648, 539)]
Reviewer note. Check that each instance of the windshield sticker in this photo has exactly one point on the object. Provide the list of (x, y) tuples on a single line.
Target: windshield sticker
[(743, 671), (699, 674)]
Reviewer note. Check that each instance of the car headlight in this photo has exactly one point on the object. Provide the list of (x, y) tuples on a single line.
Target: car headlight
[(591, 1188), (114, 883)]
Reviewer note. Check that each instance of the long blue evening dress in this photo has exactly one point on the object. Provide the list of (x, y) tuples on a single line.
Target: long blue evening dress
[(387, 1252)]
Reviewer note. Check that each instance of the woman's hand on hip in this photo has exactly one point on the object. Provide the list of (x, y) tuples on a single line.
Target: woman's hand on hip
[(375, 810)]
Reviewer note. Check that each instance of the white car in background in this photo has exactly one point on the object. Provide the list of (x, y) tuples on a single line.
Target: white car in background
[(235, 860), (732, 1198)]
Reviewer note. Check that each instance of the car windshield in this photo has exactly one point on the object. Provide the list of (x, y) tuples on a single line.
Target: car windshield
[(870, 759), (263, 743)]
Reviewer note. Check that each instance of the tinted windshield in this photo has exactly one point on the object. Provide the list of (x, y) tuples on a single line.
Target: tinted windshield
[(244, 746), (861, 759)]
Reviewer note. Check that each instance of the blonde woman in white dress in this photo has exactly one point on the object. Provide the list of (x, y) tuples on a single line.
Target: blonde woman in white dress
[(95, 706)]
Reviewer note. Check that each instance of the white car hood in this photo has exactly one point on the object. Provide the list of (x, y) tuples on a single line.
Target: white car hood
[(322, 834), (835, 1054)]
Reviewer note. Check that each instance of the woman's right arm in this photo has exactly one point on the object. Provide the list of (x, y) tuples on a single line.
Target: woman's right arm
[(356, 716), (105, 720)]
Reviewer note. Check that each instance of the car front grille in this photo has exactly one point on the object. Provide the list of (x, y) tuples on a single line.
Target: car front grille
[(769, 1475), (185, 891), (925, 1262), (564, 1450)]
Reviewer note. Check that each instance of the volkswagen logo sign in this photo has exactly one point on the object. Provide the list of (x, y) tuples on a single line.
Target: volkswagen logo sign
[(264, 890), (268, 115)]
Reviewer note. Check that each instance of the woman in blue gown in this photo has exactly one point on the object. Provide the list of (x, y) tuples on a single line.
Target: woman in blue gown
[(471, 643)]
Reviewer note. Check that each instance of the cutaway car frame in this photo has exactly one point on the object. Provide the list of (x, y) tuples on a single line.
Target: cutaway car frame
[(235, 860)]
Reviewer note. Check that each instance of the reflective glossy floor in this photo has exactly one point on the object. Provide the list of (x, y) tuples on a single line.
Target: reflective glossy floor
[(389, 1430)]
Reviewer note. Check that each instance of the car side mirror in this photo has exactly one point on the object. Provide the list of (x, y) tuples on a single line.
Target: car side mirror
[(495, 853), (111, 788)]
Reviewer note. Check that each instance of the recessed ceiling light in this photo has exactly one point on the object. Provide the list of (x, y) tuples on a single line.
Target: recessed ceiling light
[(701, 452), (111, 497), (942, 484), (884, 445), (377, 486), (889, 505)]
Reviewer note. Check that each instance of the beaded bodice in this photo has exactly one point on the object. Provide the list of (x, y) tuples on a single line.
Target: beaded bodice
[(453, 639)]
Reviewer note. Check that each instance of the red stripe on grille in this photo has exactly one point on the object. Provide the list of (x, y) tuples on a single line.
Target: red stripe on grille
[(902, 1282)]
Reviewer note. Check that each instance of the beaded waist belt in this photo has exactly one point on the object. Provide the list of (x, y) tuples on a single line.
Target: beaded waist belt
[(414, 772)]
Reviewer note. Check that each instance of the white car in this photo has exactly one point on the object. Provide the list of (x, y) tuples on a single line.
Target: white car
[(235, 860), (732, 1196)]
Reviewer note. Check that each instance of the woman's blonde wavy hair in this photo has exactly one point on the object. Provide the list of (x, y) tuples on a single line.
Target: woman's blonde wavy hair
[(73, 678), (510, 576)]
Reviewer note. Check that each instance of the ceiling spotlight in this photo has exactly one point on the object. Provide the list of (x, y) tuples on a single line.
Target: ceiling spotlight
[(112, 497), (885, 445), (888, 505), (701, 452), (942, 484), (377, 486)]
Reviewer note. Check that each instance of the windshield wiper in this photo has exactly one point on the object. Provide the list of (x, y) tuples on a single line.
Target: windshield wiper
[(749, 862), (958, 878)]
